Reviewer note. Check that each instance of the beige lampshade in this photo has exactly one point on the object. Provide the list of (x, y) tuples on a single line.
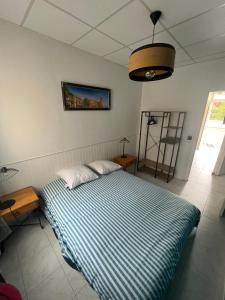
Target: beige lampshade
[(152, 62)]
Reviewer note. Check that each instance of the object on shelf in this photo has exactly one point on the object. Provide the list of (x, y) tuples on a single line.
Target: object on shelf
[(152, 121), (7, 204), (170, 140)]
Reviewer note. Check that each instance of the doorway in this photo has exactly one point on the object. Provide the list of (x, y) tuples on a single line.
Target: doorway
[(211, 135)]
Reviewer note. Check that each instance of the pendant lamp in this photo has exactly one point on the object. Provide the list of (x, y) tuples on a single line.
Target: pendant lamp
[(153, 61)]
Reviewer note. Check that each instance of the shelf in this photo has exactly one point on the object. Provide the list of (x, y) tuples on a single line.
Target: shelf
[(170, 140), (151, 164), (159, 174), (168, 132), (172, 127)]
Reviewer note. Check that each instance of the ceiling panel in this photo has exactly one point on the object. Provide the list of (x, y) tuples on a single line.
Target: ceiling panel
[(130, 24), (184, 63), (181, 55), (162, 37), (91, 11), (209, 47), (210, 57), (120, 57), (204, 27), (54, 23), (12, 10), (200, 29), (176, 11), (97, 43)]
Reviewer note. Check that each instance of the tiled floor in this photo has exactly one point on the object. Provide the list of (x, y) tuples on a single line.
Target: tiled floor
[(32, 260)]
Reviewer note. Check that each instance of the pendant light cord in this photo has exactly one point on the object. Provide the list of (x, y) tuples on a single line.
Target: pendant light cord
[(153, 36)]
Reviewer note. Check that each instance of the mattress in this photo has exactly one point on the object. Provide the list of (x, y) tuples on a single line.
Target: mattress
[(124, 234)]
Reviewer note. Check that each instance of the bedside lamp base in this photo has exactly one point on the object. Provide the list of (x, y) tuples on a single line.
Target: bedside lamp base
[(7, 204)]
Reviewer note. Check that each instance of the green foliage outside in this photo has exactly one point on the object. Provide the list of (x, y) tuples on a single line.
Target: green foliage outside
[(218, 111)]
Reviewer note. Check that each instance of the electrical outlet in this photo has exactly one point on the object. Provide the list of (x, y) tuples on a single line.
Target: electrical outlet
[(189, 138)]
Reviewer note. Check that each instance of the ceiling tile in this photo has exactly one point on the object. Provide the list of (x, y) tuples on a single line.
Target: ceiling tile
[(210, 57), (130, 24), (91, 11), (12, 10), (162, 37), (97, 43), (54, 23), (213, 46), (176, 11), (201, 28), (120, 57), (181, 55), (184, 63)]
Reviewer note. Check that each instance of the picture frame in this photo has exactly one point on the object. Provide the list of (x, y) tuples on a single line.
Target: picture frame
[(85, 97)]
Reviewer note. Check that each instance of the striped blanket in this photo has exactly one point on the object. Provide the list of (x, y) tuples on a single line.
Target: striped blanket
[(124, 234)]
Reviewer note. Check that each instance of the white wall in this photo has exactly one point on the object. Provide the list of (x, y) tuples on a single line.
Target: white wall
[(32, 120), (219, 168), (223, 168), (187, 90)]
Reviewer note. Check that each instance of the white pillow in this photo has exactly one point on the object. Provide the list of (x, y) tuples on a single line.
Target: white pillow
[(104, 166), (76, 175)]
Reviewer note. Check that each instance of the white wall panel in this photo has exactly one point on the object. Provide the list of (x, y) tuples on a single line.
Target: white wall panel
[(37, 172)]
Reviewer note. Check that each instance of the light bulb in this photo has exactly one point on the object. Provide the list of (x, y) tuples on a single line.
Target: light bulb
[(150, 74)]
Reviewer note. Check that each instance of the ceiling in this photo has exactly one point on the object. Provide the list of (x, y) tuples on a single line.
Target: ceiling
[(113, 28)]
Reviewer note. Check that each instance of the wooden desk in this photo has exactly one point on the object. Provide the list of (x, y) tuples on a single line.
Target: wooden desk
[(26, 201), (126, 162)]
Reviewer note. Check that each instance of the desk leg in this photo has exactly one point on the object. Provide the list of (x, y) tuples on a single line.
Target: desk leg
[(39, 219)]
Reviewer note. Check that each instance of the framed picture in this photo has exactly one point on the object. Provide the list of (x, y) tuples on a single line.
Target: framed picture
[(85, 97)]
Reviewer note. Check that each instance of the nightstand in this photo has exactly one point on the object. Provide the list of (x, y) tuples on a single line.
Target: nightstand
[(26, 200), (126, 162)]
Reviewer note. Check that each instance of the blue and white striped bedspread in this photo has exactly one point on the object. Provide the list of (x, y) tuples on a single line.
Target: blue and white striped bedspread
[(124, 234)]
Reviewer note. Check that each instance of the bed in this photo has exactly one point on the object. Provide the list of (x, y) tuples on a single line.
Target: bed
[(124, 234)]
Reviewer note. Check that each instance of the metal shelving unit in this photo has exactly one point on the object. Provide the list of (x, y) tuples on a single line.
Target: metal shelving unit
[(166, 143)]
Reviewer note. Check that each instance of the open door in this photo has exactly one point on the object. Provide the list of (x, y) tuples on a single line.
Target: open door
[(210, 151)]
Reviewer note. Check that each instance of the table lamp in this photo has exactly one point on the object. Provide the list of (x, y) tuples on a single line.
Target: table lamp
[(124, 141)]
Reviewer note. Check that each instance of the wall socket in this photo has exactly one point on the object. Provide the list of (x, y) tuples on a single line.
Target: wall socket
[(189, 138)]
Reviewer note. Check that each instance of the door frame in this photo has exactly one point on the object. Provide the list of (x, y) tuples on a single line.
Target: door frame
[(208, 107)]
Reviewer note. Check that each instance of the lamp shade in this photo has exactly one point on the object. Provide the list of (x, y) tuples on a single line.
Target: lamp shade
[(124, 140), (152, 62)]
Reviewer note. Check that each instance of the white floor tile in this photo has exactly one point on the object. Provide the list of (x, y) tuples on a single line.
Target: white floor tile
[(54, 287), (39, 267), (31, 242), (75, 278), (87, 293)]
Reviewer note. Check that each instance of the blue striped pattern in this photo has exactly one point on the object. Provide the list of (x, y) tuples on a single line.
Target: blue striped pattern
[(126, 235)]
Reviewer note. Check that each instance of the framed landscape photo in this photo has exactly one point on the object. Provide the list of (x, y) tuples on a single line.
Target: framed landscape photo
[(85, 97)]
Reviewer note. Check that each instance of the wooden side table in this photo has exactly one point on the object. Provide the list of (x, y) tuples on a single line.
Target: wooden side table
[(127, 161), (26, 200)]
